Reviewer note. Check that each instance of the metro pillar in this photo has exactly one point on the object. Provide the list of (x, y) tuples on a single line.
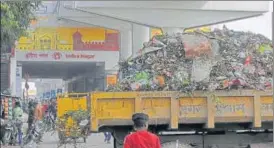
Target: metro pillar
[(140, 35), (13, 66)]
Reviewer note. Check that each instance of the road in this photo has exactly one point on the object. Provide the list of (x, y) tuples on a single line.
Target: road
[(51, 141), (95, 140)]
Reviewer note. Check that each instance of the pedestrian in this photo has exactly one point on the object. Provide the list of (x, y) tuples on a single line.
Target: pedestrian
[(141, 138), (18, 118), (31, 110), (38, 114), (107, 137), (52, 109)]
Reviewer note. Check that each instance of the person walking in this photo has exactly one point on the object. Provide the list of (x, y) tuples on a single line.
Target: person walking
[(141, 138), (107, 137), (18, 118), (31, 110)]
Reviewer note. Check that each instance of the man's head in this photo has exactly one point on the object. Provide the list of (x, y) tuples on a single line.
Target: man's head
[(17, 104), (140, 121)]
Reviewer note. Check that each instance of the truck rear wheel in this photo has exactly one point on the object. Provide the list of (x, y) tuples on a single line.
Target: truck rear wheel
[(175, 144), (118, 135)]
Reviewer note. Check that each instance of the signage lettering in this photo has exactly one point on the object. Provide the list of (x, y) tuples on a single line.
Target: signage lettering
[(31, 55), (191, 109), (267, 107), (224, 108), (58, 56), (81, 56), (44, 55), (155, 94)]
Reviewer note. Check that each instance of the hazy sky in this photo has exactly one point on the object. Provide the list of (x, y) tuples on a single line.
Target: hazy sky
[(261, 24)]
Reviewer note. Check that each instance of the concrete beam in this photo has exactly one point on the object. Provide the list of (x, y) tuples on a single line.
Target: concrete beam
[(171, 18), (82, 16), (187, 14), (190, 5)]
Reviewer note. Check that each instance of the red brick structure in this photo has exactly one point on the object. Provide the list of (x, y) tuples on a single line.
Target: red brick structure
[(111, 43)]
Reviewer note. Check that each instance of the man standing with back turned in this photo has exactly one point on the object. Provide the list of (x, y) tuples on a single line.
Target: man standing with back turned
[(141, 138)]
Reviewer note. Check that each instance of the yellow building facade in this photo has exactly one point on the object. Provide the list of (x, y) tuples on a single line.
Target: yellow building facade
[(59, 38)]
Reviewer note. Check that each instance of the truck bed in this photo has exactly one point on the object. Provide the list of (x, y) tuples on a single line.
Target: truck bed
[(174, 108)]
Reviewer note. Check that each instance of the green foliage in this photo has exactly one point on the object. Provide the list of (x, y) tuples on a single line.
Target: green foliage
[(15, 19), (77, 116)]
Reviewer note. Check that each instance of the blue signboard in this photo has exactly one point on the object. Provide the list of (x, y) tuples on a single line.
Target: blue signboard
[(47, 94), (59, 91), (53, 93)]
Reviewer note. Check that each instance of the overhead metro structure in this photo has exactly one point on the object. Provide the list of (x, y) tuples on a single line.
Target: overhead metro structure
[(134, 18)]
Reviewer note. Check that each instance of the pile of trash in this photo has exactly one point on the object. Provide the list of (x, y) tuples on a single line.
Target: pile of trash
[(217, 60)]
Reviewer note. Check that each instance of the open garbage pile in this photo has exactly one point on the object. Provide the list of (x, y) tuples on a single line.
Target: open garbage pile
[(218, 60)]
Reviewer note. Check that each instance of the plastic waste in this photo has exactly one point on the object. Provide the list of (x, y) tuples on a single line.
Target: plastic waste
[(217, 60)]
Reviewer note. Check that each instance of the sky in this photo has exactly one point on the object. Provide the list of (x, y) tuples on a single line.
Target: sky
[(261, 24)]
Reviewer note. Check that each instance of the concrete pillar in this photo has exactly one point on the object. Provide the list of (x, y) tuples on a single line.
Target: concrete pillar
[(125, 44), (141, 34), (13, 66)]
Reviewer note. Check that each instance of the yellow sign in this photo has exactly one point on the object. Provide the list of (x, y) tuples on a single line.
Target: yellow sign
[(111, 79), (202, 29), (155, 31)]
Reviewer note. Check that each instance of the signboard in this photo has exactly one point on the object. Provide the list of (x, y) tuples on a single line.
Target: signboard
[(32, 92), (5, 57), (55, 56), (111, 79), (47, 94), (53, 93), (59, 91), (111, 58)]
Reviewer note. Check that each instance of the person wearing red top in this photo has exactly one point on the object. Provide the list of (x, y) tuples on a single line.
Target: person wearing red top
[(141, 138)]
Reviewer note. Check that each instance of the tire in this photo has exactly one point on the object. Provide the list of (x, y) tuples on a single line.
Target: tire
[(6, 137), (61, 137)]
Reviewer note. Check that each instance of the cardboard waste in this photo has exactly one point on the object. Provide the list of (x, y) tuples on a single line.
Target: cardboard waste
[(218, 60)]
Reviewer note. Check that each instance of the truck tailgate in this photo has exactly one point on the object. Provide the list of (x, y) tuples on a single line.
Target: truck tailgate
[(173, 108)]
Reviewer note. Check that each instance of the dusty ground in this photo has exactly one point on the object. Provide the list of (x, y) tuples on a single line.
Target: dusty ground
[(50, 140)]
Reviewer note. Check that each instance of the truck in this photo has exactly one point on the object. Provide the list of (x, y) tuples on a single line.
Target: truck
[(220, 119)]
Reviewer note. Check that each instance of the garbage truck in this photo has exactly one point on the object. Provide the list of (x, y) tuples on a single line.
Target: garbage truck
[(223, 119), (230, 107)]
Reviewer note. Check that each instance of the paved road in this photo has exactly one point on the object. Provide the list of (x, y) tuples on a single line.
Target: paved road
[(51, 140)]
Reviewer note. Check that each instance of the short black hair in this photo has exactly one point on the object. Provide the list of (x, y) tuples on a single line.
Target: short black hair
[(140, 119), (17, 104)]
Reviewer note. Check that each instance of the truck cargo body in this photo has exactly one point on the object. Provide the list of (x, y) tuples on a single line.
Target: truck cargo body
[(213, 118)]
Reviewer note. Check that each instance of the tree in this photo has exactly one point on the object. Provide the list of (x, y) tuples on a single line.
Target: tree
[(15, 20)]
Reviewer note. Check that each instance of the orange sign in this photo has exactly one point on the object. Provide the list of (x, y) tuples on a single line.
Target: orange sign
[(111, 79), (155, 31)]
